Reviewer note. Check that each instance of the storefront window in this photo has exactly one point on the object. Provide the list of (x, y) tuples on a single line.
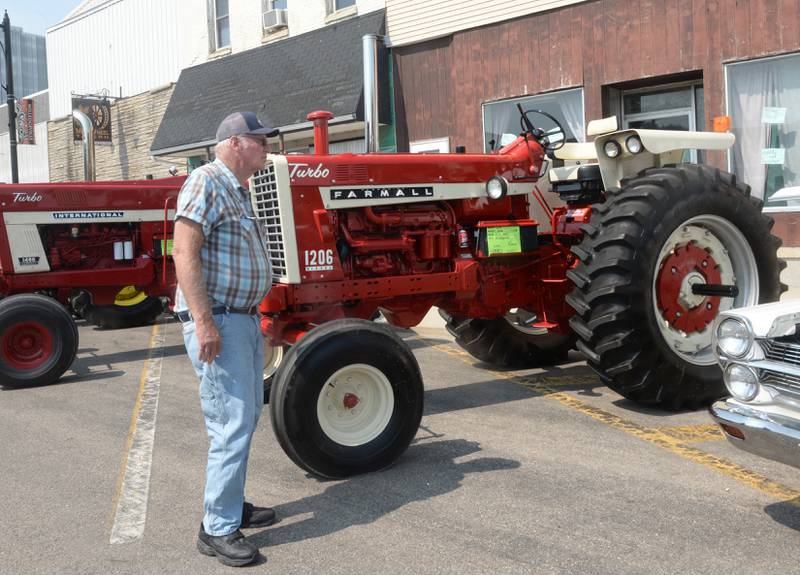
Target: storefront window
[(502, 120), (764, 105), (676, 107)]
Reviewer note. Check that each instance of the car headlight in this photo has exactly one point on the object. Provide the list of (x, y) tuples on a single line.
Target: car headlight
[(496, 187), (634, 144), (733, 337), (741, 381), (612, 148)]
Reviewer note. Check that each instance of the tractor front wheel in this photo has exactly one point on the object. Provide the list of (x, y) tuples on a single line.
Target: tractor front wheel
[(659, 261), (347, 399), (38, 340)]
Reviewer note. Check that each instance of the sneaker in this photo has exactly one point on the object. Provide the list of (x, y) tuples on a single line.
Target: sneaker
[(253, 516), (232, 549)]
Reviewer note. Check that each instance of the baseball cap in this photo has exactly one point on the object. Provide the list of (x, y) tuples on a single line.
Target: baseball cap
[(240, 123)]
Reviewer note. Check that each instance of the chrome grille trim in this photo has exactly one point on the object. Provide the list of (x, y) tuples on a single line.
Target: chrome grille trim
[(264, 197), (784, 382), (782, 352)]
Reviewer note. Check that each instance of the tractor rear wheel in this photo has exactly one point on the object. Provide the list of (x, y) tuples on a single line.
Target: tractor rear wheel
[(509, 341), (347, 399), (38, 340), (131, 308), (642, 322)]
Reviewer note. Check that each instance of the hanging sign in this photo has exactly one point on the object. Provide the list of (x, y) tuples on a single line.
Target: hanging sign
[(26, 133), (773, 116), (99, 112), (773, 156)]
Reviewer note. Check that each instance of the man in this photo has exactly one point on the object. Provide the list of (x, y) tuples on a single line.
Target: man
[(223, 273)]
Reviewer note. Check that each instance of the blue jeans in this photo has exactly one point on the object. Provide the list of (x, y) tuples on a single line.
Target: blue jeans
[(231, 395)]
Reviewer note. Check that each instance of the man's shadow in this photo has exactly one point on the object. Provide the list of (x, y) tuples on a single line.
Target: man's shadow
[(425, 471)]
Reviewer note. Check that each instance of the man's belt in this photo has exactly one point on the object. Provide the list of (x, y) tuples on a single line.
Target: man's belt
[(184, 316)]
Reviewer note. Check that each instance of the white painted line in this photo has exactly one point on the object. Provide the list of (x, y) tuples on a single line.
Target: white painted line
[(134, 485)]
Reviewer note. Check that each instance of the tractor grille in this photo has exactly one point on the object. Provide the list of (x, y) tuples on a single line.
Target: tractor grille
[(265, 204), (781, 351)]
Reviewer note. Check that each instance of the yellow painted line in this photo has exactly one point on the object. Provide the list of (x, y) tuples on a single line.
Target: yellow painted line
[(655, 436), (694, 433), (129, 505)]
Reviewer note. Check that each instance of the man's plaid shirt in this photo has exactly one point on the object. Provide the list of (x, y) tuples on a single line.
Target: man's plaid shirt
[(234, 255)]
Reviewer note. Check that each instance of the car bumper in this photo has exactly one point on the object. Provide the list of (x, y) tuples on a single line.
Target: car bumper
[(766, 434)]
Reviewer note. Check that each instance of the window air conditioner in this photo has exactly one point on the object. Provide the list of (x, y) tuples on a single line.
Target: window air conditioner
[(274, 19)]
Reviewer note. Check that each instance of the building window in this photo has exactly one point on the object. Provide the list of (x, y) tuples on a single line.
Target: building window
[(674, 107), (336, 5), (501, 120), (278, 4), (668, 108), (222, 26), (763, 99)]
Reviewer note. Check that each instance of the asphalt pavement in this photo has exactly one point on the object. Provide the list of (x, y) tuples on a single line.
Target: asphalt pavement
[(538, 471)]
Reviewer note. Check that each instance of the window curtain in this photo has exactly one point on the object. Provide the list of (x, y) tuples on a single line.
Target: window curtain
[(503, 117), (753, 86)]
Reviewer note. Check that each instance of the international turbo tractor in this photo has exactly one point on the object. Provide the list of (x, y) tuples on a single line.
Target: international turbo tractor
[(633, 257)]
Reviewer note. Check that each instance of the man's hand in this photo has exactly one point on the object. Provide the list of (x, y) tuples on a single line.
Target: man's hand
[(208, 339)]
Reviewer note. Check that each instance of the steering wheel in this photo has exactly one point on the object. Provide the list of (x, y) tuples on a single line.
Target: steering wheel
[(550, 140)]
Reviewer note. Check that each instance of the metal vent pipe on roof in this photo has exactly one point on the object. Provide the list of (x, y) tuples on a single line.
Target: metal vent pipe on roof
[(369, 43), (88, 144)]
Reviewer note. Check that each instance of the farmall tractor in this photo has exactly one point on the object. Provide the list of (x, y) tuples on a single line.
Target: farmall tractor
[(632, 268), (97, 250)]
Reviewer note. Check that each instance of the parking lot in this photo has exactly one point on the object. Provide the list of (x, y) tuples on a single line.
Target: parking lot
[(539, 471)]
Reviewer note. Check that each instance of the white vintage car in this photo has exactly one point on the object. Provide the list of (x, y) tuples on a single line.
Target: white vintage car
[(758, 349)]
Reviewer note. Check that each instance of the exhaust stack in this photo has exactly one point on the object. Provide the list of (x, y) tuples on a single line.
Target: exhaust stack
[(369, 43), (88, 144)]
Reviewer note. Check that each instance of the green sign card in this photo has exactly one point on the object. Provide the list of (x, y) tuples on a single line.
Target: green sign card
[(503, 240)]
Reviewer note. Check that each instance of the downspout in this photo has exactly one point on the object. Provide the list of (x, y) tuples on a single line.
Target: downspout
[(88, 144), (371, 128)]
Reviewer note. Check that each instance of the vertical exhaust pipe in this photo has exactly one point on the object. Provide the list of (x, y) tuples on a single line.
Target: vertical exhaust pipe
[(88, 144), (320, 120), (369, 43)]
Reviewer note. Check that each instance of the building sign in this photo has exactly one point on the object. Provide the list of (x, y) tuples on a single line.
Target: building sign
[(99, 112), (26, 134)]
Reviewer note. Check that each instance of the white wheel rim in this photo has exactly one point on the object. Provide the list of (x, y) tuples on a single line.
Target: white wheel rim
[(273, 356), (355, 405), (737, 264)]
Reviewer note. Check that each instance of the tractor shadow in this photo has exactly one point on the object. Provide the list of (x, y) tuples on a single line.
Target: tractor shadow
[(786, 513), (425, 471)]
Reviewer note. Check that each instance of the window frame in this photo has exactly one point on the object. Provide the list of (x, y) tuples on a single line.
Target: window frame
[(689, 111), (215, 26), (581, 89), (333, 8)]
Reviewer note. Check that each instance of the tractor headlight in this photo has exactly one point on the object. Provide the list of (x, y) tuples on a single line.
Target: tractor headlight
[(496, 187), (741, 381), (612, 148), (634, 144), (734, 338)]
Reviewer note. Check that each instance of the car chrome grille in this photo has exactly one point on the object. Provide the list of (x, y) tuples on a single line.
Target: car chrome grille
[(781, 351), (265, 203), (781, 381)]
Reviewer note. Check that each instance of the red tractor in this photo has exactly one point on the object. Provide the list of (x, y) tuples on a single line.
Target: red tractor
[(632, 267), (97, 250)]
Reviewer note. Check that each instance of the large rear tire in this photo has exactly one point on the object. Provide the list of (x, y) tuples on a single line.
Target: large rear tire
[(347, 399), (638, 321), (38, 340), (508, 341)]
